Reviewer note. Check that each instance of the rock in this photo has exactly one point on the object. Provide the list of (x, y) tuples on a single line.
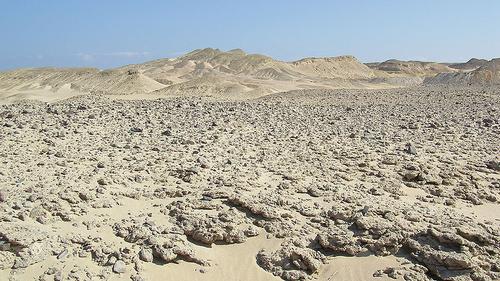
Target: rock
[(492, 164), (203, 162), (136, 130), (102, 181), (411, 175), (111, 260), (137, 277), (63, 254), (23, 235), (34, 253), (205, 171), (7, 260), (119, 267), (3, 195), (389, 160), (411, 149), (343, 242), (291, 262), (146, 254), (58, 276)]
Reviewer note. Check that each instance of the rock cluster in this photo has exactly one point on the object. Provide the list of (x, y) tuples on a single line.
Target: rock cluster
[(118, 184)]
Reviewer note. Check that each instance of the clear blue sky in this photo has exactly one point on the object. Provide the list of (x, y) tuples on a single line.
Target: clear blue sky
[(108, 33)]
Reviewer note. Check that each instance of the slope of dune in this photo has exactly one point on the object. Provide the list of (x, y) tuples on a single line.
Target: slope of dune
[(41, 77), (346, 67), (237, 62), (118, 82), (206, 85), (85, 80)]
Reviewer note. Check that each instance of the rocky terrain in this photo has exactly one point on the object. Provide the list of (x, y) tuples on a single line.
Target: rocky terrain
[(396, 184), (486, 73)]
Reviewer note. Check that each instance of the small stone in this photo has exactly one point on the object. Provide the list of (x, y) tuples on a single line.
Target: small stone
[(138, 178), (102, 181), (119, 267), (411, 175), (3, 196), (378, 273), (111, 260), (136, 130), (389, 160), (376, 191), (146, 254), (63, 254), (203, 162), (51, 271), (411, 149), (166, 133), (494, 165), (137, 278), (58, 276)]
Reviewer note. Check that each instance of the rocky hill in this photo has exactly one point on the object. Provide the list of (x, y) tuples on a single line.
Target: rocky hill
[(411, 68), (471, 64), (487, 74)]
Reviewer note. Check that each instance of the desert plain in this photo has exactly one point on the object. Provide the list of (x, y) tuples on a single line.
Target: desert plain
[(228, 166)]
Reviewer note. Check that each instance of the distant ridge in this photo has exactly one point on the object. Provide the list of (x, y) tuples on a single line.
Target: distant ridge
[(237, 74), (200, 72), (487, 74), (414, 68), (472, 64)]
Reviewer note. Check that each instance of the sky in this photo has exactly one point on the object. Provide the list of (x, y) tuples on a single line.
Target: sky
[(110, 33)]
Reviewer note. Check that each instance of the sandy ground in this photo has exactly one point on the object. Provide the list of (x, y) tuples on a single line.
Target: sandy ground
[(398, 184)]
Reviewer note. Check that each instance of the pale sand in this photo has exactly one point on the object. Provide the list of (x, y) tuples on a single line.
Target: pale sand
[(45, 94), (228, 262)]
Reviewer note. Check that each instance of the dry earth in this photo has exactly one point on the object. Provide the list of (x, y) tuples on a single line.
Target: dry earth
[(310, 184)]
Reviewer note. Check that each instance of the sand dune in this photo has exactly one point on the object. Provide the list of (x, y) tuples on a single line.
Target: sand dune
[(204, 72), (345, 67), (237, 75)]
